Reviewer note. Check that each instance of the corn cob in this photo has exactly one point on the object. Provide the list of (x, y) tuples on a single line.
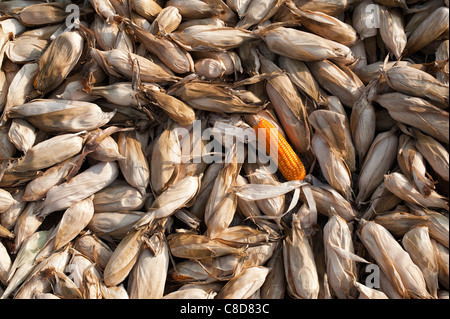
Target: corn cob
[(288, 162)]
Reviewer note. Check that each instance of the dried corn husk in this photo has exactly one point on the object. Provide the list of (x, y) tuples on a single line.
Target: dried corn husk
[(379, 160), (42, 14), (442, 55), (438, 225), (364, 15), (119, 63), (222, 202), (442, 257), (304, 46), (22, 134), (300, 268), (392, 30), (6, 200), (289, 107), (339, 80), (332, 165), (58, 60), (331, 7), (93, 248), (49, 152), (399, 223), (116, 198), (172, 199), (412, 81), (325, 25), (418, 244), (416, 112), (134, 166), (244, 284), (104, 9), (399, 185), (369, 293), (53, 115), (412, 164), (258, 12), (363, 126), (114, 224), (148, 276), (123, 258), (404, 275), (430, 28), (80, 187), (434, 153), (5, 264)]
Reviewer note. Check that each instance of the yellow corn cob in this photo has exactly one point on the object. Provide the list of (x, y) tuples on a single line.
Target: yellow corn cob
[(289, 163)]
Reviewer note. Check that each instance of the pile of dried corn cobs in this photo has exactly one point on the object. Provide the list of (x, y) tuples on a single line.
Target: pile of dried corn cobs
[(100, 101)]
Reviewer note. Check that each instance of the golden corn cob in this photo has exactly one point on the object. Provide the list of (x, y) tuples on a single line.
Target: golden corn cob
[(288, 162)]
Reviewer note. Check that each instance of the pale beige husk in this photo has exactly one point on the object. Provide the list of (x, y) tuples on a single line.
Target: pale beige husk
[(404, 275), (119, 197), (430, 28), (379, 160), (258, 12), (304, 46), (114, 224), (362, 13), (54, 115), (22, 134), (299, 265), (434, 153), (339, 80), (331, 7), (93, 248), (332, 165), (418, 244), (50, 152), (80, 187), (325, 25), (399, 223), (6, 200), (363, 126), (416, 112), (244, 284), (147, 279), (392, 30), (58, 60), (134, 166)]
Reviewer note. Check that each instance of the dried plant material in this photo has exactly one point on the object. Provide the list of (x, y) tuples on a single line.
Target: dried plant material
[(340, 81), (22, 134), (119, 63), (379, 160), (207, 38), (363, 126), (50, 152), (325, 25), (222, 202), (438, 223), (399, 223), (442, 257), (123, 258), (38, 187), (244, 284), (42, 14), (165, 161), (80, 187), (114, 224), (210, 68), (289, 107), (53, 115), (134, 166), (104, 9), (362, 13), (301, 76), (430, 28), (148, 276), (434, 153), (167, 21), (414, 82), (5, 265), (333, 166), (304, 46), (334, 128), (340, 257), (93, 248), (418, 244), (442, 60), (58, 60), (369, 293), (217, 97), (25, 49), (392, 30), (399, 185), (6, 200), (412, 164), (116, 198), (172, 199), (300, 268), (396, 264), (258, 12), (331, 7), (418, 113), (192, 246)]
